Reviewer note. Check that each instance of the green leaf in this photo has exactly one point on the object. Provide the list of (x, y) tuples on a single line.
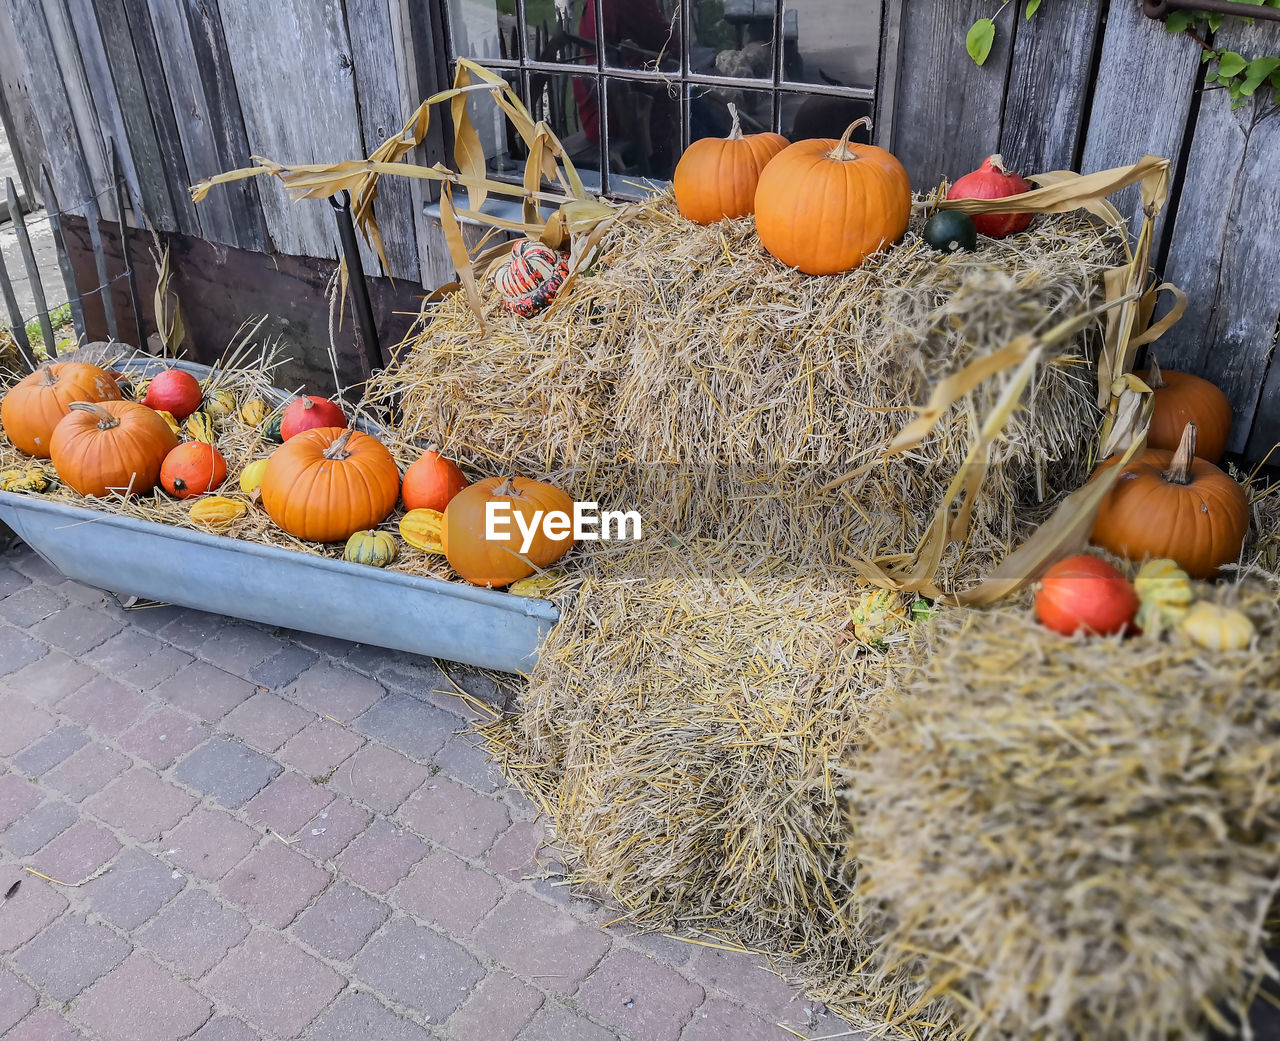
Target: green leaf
[(1256, 72), (1179, 21), (1215, 21), (1230, 63), (1032, 7), (982, 35)]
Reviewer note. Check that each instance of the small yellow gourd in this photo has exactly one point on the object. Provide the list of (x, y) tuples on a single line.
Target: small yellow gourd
[(253, 412), (535, 585), (375, 548), (251, 476), (174, 425), (219, 403), (1213, 627), (878, 614), (1164, 594), (216, 511), (199, 427), (422, 529)]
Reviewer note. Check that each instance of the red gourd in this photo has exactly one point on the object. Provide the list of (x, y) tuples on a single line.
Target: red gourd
[(176, 392), (310, 413), (993, 180), (1085, 594)]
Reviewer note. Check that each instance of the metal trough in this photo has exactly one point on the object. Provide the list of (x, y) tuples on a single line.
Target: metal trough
[(282, 587)]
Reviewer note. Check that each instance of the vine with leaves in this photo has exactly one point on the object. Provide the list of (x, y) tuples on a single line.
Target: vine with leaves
[(1241, 77)]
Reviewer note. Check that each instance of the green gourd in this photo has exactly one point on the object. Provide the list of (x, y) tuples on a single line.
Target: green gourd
[(374, 548), (949, 232)]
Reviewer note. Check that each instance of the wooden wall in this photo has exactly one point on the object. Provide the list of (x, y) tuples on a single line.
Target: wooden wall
[(1091, 85), (187, 88)]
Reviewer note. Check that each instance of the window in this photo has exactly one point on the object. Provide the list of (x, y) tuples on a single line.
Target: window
[(670, 70)]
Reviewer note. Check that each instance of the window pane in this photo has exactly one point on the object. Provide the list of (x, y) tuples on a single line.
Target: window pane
[(503, 148), (709, 111), (644, 132), (553, 31), (732, 38), (831, 41), (567, 103), (821, 115), (483, 29), (638, 34)]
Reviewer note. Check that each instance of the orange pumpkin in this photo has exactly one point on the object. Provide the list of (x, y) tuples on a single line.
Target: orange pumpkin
[(1172, 504), (825, 206), (110, 446), (325, 484), (499, 562), (192, 469), (717, 177), (1180, 398), (431, 482), (38, 401)]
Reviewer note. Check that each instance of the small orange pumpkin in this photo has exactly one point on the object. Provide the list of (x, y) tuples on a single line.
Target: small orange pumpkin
[(825, 206), (192, 469), (499, 562), (717, 177), (431, 482), (1177, 506), (110, 446), (38, 401), (1180, 398), (325, 484)]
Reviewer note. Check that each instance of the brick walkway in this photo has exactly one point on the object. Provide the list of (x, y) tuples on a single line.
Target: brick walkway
[(274, 835)]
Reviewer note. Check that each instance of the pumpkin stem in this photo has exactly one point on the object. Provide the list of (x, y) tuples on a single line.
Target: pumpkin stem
[(307, 403), (997, 164), (1179, 471), (338, 450), (47, 379), (105, 419), (1155, 378), (841, 150), (735, 131), (507, 489)]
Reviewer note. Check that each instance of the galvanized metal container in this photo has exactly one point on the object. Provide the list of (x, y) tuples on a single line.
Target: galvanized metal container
[(276, 586)]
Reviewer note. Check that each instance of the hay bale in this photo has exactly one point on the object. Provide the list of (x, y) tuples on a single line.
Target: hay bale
[(1263, 545), (693, 374), (1076, 838)]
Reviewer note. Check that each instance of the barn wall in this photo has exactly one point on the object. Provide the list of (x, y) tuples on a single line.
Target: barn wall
[(187, 88)]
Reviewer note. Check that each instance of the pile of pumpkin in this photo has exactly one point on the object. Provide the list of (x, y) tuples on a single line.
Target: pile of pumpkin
[(325, 482), (823, 206)]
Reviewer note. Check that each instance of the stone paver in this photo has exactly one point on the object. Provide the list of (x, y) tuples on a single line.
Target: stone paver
[(283, 836)]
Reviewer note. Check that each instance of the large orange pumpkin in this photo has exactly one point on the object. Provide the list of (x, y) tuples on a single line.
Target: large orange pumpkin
[(38, 401), (110, 446), (1180, 398), (324, 485), (717, 177), (824, 206), (499, 562), (1172, 504)]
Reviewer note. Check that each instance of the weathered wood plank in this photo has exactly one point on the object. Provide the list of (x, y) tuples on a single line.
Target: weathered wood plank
[(946, 118), (421, 42), (129, 127), (127, 30), (20, 124), (188, 35), (384, 106), (52, 108), (1142, 98), (1048, 82), (1222, 255), (299, 104), (75, 83)]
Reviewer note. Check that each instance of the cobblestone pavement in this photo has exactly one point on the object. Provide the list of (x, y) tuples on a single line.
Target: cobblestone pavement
[(268, 834)]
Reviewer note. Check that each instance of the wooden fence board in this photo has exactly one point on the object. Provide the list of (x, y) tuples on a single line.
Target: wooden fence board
[(1141, 100), (384, 106), (1049, 80), (946, 117), (21, 126), (207, 111), (1221, 254), (49, 102), (299, 104)]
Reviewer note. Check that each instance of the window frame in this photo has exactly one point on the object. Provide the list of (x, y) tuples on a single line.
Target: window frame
[(605, 76)]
